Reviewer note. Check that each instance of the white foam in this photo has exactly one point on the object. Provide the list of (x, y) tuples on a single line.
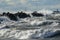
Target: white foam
[(26, 34), (45, 11)]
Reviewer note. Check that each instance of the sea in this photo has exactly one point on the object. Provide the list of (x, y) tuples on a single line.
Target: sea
[(34, 28)]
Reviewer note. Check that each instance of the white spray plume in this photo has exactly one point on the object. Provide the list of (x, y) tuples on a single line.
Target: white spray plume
[(45, 11)]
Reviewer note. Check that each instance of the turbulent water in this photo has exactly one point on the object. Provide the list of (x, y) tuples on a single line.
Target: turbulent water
[(38, 28)]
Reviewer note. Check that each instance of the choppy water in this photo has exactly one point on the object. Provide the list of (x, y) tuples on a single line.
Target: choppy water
[(33, 28)]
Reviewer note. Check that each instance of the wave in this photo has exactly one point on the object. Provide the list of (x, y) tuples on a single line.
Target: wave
[(29, 28), (29, 34)]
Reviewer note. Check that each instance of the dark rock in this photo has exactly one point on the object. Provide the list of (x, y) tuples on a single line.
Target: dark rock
[(4, 13), (22, 15), (37, 14), (56, 12), (10, 16)]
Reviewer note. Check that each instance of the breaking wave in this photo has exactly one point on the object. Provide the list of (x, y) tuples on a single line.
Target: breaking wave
[(29, 28)]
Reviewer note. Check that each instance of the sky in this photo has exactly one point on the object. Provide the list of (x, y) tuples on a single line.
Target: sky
[(28, 5)]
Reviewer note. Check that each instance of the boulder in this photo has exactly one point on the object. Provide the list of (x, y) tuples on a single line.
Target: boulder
[(37, 14), (22, 15)]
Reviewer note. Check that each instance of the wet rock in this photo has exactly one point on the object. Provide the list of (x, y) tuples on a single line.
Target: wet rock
[(37, 14), (22, 15), (10, 16)]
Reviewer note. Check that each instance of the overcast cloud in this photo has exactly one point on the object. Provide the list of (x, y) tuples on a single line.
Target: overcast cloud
[(18, 5)]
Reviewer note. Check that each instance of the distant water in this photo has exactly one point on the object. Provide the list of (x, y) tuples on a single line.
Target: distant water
[(33, 28)]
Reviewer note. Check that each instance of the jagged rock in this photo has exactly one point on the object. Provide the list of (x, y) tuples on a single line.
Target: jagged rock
[(10, 16), (22, 15), (37, 14)]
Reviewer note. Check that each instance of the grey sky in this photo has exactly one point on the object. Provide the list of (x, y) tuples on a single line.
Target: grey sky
[(31, 5)]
